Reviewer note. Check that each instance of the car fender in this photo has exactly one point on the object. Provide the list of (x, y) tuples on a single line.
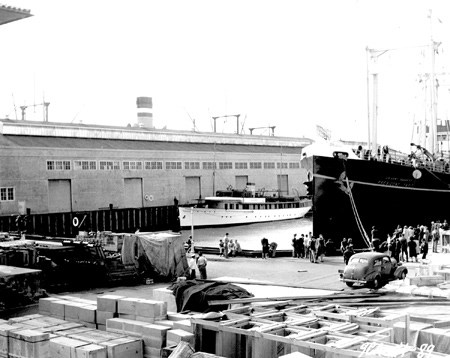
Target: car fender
[(399, 270), (371, 275)]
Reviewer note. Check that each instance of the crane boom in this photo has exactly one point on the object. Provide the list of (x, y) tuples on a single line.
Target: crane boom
[(225, 116), (45, 107)]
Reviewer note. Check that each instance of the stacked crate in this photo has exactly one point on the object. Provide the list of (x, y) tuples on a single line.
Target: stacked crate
[(5, 337), (142, 309), (107, 307), (28, 343), (71, 309), (37, 336)]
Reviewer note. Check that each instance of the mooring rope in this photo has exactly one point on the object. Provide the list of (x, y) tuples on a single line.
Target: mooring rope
[(355, 213)]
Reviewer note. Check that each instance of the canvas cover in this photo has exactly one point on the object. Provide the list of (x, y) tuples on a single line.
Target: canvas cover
[(164, 251)]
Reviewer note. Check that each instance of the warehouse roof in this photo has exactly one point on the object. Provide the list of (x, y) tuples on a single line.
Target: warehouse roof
[(22, 141), (10, 14), (95, 131)]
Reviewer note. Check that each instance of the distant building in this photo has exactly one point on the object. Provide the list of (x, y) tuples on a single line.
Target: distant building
[(48, 167), (60, 167)]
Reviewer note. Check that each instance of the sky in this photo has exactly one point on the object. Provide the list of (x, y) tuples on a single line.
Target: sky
[(289, 64)]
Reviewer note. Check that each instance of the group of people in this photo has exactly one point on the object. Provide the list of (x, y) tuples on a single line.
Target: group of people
[(382, 153), (195, 261), (199, 262), (268, 250), (312, 248), (406, 243), (229, 248)]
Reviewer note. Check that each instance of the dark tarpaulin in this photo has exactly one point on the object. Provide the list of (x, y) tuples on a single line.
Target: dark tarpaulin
[(163, 251), (193, 295)]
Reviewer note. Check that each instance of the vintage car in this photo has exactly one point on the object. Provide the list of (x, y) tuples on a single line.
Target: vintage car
[(372, 269)]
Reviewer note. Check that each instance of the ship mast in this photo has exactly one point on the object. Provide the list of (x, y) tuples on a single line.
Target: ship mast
[(374, 55), (434, 145)]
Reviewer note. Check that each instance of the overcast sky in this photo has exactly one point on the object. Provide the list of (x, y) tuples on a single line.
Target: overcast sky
[(289, 64)]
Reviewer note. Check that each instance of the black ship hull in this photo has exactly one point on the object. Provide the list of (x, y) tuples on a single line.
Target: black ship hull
[(350, 196)]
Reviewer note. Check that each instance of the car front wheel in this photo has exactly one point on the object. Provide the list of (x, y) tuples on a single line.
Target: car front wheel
[(403, 275), (377, 282)]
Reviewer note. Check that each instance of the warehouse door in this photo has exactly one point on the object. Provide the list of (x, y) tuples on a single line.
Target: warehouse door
[(283, 184), (59, 196), (133, 194), (193, 189), (241, 182)]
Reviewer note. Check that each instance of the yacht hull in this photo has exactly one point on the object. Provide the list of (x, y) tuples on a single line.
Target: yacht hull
[(221, 217)]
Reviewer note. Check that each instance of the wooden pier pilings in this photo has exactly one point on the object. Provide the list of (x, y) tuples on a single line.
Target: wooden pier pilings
[(68, 224)]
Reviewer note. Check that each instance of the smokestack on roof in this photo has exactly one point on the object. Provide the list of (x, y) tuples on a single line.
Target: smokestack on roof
[(144, 112)]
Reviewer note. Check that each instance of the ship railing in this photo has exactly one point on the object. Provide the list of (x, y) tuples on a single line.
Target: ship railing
[(405, 160)]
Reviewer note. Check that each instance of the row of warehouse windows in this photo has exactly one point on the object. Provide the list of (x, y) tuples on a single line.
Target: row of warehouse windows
[(138, 165)]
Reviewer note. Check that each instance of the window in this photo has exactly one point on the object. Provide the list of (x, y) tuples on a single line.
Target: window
[(209, 165), (225, 165), (7, 194), (282, 165), (269, 165), (58, 164), (191, 165), (85, 165), (294, 165), (173, 165), (240, 165), (153, 165), (132, 165), (109, 165), (255, 165)]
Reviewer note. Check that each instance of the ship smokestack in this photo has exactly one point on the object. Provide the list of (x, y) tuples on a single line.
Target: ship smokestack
[(144, 112)]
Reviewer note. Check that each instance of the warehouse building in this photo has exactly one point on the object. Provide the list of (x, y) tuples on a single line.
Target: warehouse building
[(48, 167)]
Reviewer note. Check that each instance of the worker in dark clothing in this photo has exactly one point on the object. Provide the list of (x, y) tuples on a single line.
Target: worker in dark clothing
[(348, 253), (265, 248)]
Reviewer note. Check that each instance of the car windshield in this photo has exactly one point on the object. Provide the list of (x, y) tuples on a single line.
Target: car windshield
[(356, 260)]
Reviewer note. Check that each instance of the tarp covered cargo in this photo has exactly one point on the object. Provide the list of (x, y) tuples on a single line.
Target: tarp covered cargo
[(164, 251)]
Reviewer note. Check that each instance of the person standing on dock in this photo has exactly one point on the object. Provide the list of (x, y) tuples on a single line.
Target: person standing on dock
[(232, 249), (294, 246), (306, 245), (265, 248), (273, 249), (226, 241), (301, 245), (221, 248), (192, 267), (320, 248), (348, 253), (238, 247), (398, 249), (412, 249), (424, 248), (313, 249), (201, 264), (343, 247), (435, 237), (404, 249)]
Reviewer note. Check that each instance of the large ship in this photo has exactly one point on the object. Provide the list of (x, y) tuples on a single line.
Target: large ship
[(352, 195), (355, 190), (236, 207)]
